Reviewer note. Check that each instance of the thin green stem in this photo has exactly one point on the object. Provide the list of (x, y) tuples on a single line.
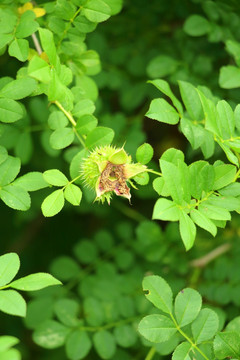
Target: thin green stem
[(34, 128), (79, 137), (230, 139), (68, 114), (237, 175), (70, 182), (154, 172), (5, 287), (69, 25), (72, 121), (187, 338), (110, 325), (151, 353)]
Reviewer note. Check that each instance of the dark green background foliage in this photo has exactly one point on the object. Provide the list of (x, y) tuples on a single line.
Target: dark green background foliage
[(89, 73)]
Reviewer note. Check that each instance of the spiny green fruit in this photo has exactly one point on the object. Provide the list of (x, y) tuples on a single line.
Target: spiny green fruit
[(107, 170)]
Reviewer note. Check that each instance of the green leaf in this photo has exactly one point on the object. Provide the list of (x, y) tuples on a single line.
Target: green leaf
[(83, 107), (19, 49), (38, 310), (173, 156), (157, 328), (232, 189), (233, 325), (182, 351), (67, 311), (191, 100), (158, 185), (99, 136), (104, 344), (161, 65), (187, 230), (24, 147), (8, 19), (193, 132), (205, 326), (5, 39), (229, 77), (10, 111), (9, 266), (172, 177), (86, 123), (196, 25), (55, 177), (73, 194), (208, 145), (237, 116), (48, 44), (15, 197), (233, 48), (65, 9), (93, 311), (227, 202), (26, 26), (210, 114), (57, 120), (86, 89), (187, 305), (91, 61), (115, 6), (7, 342), (229, 154), (224, 175), (207, 175), (75, 164), (11, 354), (164, 87), (18, 89), (142, 179), (9, 170), (83, 24), (213, 212), (203, 221), (166, 210), (53, 203), (31, 181), (3, 154), (185, 181), (65, 268), (62, 138), (57, 91), (125, 335), (158, 292), (35, 282), (227, 344), (96, 11), (78, 345), (160, 110), (50, 334), (11, 302), (85, 252), (144, 153), (226, 121), (39, 69)]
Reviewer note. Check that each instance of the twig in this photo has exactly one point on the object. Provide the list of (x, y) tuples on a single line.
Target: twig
[(151, 353), (37, 44), (204, 260), (68, 115)]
